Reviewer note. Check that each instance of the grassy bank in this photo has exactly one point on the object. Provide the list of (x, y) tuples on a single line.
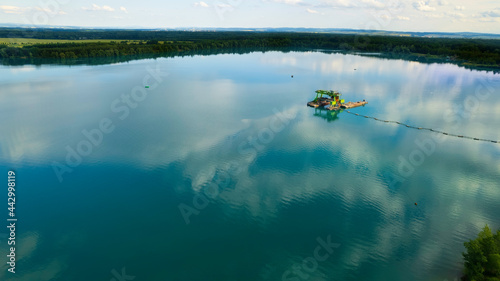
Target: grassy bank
[(20, 42)]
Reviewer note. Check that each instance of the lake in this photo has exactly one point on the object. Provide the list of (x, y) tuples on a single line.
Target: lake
[(213, 168)]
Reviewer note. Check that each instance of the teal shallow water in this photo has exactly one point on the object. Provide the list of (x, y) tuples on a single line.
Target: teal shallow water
[(260, 177)]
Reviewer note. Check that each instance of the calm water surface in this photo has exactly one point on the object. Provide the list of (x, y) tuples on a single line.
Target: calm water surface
[(218, 170)]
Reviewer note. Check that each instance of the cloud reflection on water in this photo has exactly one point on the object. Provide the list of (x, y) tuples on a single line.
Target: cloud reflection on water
[(200, 124)]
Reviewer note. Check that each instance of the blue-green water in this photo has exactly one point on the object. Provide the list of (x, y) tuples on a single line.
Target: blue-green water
[(219, 171)]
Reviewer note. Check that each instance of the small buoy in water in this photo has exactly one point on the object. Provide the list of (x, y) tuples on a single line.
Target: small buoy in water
[(416, 204), (292, 76), (147, 87)]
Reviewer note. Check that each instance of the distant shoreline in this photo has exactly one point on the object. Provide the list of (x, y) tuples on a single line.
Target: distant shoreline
[(19, 45)]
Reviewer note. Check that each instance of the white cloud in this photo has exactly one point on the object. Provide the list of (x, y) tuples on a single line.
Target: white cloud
[(47, 10), (338, 3), (288, 2), (455, 15), (201, 4), (347, 3), (13, 9), (311, 11), (459, 8), (435, 16), (423, 6), (373, 4), (107, 8), (20, 10), (123, 9), (494, 14), (360, 4), (387, 17), (99, 8)]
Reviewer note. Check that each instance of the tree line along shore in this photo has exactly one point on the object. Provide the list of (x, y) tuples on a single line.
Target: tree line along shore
[(73, 44)]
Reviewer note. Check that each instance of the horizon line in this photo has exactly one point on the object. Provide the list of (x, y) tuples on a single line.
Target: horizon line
[(16, 25)]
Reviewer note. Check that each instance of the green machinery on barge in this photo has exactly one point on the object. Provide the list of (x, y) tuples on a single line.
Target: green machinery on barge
[(332, 98)]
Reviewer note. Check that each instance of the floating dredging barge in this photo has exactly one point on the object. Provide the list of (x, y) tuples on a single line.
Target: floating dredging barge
[(332, 99), (323, 98)]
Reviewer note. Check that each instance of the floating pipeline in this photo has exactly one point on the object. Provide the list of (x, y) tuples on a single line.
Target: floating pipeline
[(422, 128)]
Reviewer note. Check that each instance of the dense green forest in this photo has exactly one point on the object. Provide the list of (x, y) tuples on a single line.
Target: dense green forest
[(479, 52), (482, 259)]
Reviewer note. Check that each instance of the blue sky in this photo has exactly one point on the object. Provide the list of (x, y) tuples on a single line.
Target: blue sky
[(397, 15)]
